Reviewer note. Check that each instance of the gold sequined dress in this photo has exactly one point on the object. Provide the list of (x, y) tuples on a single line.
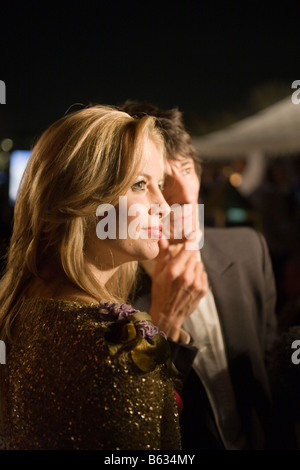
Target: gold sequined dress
[(88, 376)]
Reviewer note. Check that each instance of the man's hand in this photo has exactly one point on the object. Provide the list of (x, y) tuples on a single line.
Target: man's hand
[(178, 284)]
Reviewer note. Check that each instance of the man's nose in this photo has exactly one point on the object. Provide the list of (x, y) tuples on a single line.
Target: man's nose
[(160, 206), (178, 191)]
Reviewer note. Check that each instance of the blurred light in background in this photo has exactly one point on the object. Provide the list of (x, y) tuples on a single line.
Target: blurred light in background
[(17, 164), (236, 179), (236, 215), (7, 145)]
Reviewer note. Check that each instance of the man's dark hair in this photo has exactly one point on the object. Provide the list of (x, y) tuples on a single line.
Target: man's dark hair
[(170, 123)]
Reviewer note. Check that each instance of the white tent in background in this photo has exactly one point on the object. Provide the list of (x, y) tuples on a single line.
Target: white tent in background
[(274, 131)]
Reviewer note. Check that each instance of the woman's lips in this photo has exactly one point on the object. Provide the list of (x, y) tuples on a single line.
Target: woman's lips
[(154, 232)]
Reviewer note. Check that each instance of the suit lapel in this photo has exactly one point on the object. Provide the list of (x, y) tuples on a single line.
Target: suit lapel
[(226, 286)]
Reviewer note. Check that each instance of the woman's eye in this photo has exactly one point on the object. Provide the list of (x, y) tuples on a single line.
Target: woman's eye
[(161, 186), (139, 186), (186, 171)]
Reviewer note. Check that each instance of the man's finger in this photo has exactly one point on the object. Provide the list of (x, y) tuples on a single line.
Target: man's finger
[(182, 257), (163, 255)]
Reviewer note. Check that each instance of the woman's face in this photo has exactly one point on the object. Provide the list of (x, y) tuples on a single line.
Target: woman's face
[(132, 229)]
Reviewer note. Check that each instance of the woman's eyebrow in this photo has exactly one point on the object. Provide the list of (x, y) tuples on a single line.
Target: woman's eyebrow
[(150, 177)]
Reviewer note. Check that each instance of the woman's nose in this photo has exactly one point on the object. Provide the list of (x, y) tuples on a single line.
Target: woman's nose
[(160, 206)]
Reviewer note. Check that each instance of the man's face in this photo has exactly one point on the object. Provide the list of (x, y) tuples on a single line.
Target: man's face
[(181, 187)]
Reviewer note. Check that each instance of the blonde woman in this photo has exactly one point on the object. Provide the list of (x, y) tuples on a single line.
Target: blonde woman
[(84, 370)]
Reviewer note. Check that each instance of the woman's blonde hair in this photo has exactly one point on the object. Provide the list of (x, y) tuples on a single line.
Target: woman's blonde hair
[(87, 158)]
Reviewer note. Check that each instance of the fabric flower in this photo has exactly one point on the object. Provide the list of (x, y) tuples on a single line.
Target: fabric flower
[(112, 311), (133, 331)]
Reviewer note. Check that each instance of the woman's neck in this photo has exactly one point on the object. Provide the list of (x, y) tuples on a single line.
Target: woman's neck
[(102, 275)]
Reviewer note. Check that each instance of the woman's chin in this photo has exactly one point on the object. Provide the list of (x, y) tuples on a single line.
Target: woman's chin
[(150, 251)]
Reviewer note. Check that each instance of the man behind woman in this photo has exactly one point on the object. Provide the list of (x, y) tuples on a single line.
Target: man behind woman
[(231, 329)]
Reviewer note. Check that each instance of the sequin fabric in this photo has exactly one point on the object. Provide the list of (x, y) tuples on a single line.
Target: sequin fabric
[(64, 390)]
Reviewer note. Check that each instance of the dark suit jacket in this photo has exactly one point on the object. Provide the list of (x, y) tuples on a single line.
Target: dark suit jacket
[(241, 278)]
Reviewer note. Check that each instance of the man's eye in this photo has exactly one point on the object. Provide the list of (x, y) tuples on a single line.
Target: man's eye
[(139, 186), (186, 171), (161, 186)]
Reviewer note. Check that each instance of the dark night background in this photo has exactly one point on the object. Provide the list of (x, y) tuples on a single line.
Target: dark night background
[(209, 58), (218, 61)]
